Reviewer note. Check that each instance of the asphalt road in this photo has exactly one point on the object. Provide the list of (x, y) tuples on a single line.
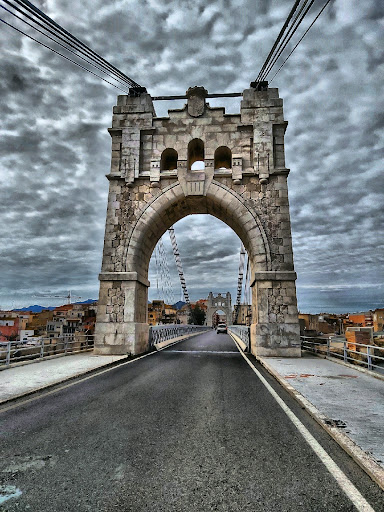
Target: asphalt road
[(191, 428)]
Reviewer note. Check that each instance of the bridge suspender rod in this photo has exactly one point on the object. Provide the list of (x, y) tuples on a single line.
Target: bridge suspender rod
[(239, 283), (163, 273), (247, 284), (241, 275), (179, 266)]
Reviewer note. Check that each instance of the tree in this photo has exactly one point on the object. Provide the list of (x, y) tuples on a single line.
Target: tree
[(197, 316)]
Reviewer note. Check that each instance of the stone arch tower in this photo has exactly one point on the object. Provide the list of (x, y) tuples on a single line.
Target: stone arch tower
[(217, 303), (145, 199)]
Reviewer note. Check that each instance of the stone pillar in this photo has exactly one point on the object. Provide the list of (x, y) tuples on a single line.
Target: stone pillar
[(275, 331), (122, 326)]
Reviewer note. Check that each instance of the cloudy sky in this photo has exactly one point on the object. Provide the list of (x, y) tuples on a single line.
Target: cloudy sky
[(55, 149)]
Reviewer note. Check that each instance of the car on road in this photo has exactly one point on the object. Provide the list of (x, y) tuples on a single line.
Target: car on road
[(221, 328)]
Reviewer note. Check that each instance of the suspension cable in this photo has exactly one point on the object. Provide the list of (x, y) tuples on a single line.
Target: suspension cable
[(61, 55), (302, 37), (288, 36), (57, 42), (41, 15), (297, 2), (283, 40), (179, 265)]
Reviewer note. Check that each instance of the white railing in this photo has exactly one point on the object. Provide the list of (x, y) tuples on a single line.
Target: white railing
[(369, 356), (19, 351), (243, 332), (160, 333)]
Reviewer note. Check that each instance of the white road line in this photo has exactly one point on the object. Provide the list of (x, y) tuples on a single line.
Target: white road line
[(43, 393), (204, 351), (344, 483)]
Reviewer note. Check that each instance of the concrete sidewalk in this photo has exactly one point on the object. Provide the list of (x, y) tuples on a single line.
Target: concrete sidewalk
[(348, 403), (22, 380)]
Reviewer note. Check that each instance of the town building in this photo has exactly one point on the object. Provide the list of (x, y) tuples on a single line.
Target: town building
[(183, 314), (323, 323), (378, 320), (160, 313), (242, 314), (364, 319)]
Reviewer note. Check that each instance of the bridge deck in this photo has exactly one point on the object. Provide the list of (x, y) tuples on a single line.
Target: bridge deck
[(189, 428)]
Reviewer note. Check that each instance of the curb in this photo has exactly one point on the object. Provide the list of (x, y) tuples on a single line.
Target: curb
[(240, 342), (40, 360), (62, 381), (365, 461)]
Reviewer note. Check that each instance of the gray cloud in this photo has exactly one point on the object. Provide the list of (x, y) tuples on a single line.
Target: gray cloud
[(54, 148)]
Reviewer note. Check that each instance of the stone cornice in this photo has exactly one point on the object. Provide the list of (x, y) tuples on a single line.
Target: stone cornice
[(274, 275), (123, 276)]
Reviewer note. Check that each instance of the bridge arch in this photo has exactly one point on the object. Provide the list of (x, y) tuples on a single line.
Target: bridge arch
[(172, 205)]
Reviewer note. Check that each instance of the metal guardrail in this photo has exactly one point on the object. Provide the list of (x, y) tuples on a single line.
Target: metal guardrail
[(369, 356), (16, 351), (160, 333), (243, 332)]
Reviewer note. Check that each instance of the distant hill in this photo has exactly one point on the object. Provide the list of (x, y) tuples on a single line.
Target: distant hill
[(179, 304), (39, 309), (35, 308)]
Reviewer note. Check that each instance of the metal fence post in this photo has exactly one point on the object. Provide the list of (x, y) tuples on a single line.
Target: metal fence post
[(65, 346), (345, 351), (369, 358), (42, 349), (328, 346), (8, 356)]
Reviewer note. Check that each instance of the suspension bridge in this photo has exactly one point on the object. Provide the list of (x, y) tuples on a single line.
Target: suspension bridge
[(246, 160), (188, 420), (261, 159)]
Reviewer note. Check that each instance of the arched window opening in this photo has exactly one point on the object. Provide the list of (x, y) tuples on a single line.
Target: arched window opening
[(223, 158), (196, 154), (168, 160), (198, 165)]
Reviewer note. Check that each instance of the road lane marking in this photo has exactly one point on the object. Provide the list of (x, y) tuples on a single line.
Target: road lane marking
[(343, 481), (204, 351)]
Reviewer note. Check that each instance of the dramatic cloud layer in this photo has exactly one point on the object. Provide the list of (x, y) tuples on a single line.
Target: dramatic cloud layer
[(55, 150)]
